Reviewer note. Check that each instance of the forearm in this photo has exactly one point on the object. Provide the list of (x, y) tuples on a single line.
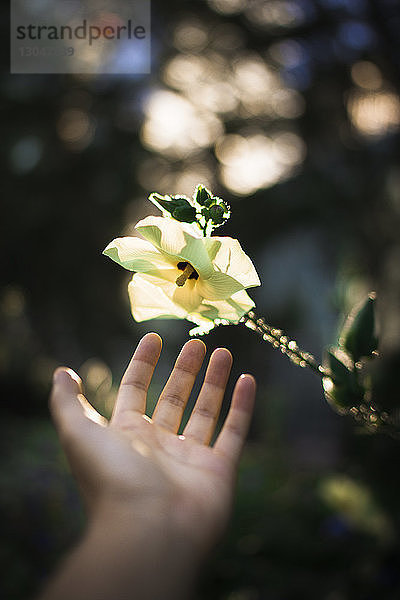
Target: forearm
[(127, 557)]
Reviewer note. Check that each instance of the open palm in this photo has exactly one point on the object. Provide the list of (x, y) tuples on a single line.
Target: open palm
[(143, 462)]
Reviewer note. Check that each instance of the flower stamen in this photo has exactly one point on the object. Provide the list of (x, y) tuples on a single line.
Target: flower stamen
[(188, 273)]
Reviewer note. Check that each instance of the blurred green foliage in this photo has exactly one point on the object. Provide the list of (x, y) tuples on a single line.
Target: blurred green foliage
[(290, 112)]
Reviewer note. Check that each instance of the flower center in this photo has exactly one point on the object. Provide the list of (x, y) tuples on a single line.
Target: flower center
[(188, 273)]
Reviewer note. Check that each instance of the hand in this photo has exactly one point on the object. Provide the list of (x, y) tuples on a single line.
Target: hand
[(140, 466)]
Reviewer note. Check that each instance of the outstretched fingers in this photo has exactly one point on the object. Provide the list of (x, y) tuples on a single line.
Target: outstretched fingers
[(136, 380), (233, 433)]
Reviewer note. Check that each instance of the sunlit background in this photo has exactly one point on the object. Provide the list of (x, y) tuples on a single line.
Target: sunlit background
[(289, 110)]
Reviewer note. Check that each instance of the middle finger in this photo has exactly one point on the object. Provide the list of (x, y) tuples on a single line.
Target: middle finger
[(169, 410)]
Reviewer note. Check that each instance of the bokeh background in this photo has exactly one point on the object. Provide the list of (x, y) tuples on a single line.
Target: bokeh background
[(289, 110)]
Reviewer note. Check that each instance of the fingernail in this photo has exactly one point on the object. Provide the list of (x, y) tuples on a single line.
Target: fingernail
[(60, 375), (65, 377), (248, 377)]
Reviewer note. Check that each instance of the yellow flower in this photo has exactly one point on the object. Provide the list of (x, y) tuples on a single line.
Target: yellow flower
[(180, 274)]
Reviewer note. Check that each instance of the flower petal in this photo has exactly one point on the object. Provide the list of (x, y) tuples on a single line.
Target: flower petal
[(209, 314), (212, 245), (218, 287), (136, 254), (149, 301), (204, 325), (231, 309), (187, 296), (231, 259), (177, 240)]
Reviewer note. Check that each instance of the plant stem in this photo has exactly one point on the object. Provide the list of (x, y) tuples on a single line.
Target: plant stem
[(278, 339), (364, 412)]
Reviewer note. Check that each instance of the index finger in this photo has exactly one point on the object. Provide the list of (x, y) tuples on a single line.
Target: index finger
[(136, 380)]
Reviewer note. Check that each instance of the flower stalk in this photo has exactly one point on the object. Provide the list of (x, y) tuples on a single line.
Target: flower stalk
[(279, 340)]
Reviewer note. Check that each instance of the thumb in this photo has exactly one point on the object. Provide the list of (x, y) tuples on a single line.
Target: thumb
[(69, 408), (65, 407), (67, 380)]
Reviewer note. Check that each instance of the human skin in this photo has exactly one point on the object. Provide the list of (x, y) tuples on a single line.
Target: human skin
[(157, 501)]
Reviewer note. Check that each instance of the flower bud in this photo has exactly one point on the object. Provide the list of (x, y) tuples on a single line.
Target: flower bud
[(217, 214), (203, 196)]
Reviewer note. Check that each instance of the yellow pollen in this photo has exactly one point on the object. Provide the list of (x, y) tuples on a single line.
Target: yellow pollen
[(181, 280)]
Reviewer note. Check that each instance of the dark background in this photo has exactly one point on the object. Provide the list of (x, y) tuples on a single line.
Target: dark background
[(290, 111)]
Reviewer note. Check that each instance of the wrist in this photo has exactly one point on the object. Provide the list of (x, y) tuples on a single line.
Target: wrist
[(117, 530), (131, 513), (154, 523), (166, 518), (125, 551)]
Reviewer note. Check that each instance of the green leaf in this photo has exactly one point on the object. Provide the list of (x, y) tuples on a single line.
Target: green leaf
[(186, 214), (358, 336), (162, 202), (225, 206), (340, 372), (179, 207), (343, 389)]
